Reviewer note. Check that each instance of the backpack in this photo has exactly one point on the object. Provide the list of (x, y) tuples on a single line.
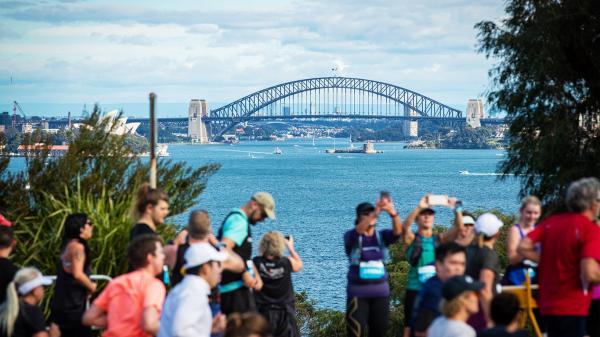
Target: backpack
[(417, 248)]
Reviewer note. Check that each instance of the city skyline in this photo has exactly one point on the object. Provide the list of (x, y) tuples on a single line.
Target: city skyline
[(76, 52)]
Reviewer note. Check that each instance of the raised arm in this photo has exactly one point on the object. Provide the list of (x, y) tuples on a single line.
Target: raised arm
[(452, 233), (409, 236), (388, 206), (294, 257)]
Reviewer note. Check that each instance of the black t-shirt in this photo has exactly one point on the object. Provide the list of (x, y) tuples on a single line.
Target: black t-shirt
[(140, 229), (479, 258), (29, 321), (7, 273), (277, 278), (500, 331)]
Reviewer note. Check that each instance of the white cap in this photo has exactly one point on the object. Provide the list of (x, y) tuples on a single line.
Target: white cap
[(28, 286), (468, 220), (200, 253), (488, 224)]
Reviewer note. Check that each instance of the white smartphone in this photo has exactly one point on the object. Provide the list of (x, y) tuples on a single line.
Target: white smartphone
[(437, 200)]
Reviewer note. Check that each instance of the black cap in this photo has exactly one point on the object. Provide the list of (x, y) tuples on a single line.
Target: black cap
[(427, 210), (457, 285), (364, 208)]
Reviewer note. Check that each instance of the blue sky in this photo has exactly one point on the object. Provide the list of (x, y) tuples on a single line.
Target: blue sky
[(73, 51)]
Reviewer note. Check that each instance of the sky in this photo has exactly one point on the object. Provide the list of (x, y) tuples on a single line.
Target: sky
[(64, 53)]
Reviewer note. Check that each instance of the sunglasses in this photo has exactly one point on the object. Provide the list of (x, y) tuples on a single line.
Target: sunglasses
[(469, 224)]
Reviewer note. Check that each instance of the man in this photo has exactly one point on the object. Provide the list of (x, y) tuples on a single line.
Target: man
[(460, 302), (131, 304), (450, 260), (186, 310), (568, 262), (151, 208), (7, 268), (198, 230), (235, 288)]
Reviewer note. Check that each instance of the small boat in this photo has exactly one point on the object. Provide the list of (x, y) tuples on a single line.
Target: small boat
[(251, 155), (162, 150), (277, 151), (464, 173)]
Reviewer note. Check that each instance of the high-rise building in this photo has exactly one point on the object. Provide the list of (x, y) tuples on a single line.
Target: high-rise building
[(475, 112), (197, 130)]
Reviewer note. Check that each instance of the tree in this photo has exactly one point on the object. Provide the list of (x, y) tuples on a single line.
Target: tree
[(547, 80)]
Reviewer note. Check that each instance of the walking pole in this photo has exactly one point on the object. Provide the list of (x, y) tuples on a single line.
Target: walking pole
[(152, 141)]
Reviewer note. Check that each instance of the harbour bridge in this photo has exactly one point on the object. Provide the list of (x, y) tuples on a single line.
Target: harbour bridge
[(332, 98)]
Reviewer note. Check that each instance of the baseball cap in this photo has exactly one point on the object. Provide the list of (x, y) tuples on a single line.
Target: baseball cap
[(200, 253), (364, 208), (468, 220), (4, 221), (267, 202), (457, 285), (427, 210), (488, 224)]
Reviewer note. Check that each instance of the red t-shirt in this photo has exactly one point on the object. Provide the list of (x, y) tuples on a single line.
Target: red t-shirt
[(565, 240)]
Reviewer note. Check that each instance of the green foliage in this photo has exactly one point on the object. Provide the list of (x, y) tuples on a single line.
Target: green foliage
[(97, 176), (316, 322), (547, 80)]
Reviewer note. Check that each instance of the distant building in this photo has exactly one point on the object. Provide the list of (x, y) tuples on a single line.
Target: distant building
[(197, 130), (475, 112), (2, 128), (26, 128), (38, 148)]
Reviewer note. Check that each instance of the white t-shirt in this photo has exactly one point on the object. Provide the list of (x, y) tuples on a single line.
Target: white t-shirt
[(444, 327), (186, 311)]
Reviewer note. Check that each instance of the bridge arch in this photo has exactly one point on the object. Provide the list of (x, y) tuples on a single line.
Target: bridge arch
[(224, 118)]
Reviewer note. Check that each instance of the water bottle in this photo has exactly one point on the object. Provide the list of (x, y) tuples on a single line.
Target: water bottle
[(165, 275)]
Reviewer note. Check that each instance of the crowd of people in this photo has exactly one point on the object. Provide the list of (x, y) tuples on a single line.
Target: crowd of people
[(208, 283)]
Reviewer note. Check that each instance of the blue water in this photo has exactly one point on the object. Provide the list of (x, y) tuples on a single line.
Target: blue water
[(316, 193)]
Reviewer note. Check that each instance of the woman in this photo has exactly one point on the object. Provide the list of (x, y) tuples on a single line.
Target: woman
[(73, 284), (20, 315), (275, 301), (483, 265), (467, 232), (530, 211), (368, 288)]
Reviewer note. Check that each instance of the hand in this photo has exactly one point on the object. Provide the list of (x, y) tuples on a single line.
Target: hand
[(424, 202), (93, 288), (218, 324), (258, 284), (289, 243), (452, 202), (386, 205), (180, 237), (249, 281)]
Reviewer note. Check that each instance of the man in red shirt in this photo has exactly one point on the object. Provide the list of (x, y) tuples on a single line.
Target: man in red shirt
[(131, 304), (568, 259)]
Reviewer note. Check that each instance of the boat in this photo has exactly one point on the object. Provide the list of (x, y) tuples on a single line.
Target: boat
[(277, 151), (251, 155), (162, 150), (331, 150), (464, 173)]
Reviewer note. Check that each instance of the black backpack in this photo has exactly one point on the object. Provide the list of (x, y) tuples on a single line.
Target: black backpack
[(417, 249)]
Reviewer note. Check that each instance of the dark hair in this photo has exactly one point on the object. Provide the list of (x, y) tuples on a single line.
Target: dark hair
[(247, 324), (504, 308), (140, 247), (446, 249), (6, 236), (362, 209), (72, 229), (147, 196), (199, 224)]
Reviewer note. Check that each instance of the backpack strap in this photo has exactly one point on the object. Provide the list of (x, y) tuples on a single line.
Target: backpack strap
[(356, 252), (220, 232)]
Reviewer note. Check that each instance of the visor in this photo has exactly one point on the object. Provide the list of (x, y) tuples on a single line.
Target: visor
[(28, 286)]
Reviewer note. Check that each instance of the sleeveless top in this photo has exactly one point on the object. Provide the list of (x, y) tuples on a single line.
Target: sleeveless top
[(70, 296), (244, 251), (515, 274)]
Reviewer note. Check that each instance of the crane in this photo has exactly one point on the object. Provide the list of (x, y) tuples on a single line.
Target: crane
[(15, 107)]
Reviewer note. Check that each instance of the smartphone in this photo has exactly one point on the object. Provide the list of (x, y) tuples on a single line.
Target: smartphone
[(437, 200), (385, 195)]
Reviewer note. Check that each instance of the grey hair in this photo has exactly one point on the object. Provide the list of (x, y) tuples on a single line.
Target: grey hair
[(582, 193)]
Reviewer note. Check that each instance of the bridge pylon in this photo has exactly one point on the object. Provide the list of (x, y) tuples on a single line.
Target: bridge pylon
[(198, 130)]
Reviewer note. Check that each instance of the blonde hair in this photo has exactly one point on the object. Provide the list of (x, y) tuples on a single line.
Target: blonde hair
[(9, 310), (451, 308), (272, 244), (530, 200)]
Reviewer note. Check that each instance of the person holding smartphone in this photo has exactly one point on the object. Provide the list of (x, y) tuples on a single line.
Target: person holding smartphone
[(368, 291), (422, 243)]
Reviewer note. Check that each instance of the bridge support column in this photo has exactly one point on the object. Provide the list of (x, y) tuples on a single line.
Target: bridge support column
[(475, 113), (410, 128), (197, 128)]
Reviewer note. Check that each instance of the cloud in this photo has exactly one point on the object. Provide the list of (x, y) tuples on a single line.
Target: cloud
[(7, 33)]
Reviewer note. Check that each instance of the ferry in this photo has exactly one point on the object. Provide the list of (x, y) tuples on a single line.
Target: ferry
[(277, 151)]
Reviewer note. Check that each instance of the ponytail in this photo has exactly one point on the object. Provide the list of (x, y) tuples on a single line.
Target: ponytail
[(146, 196), (9, 310)]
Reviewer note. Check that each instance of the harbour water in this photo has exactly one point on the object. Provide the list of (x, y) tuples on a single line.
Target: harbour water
[(316, 193)]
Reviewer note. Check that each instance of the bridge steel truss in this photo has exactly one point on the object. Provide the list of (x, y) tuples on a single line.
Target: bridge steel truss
[(226, 117)]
